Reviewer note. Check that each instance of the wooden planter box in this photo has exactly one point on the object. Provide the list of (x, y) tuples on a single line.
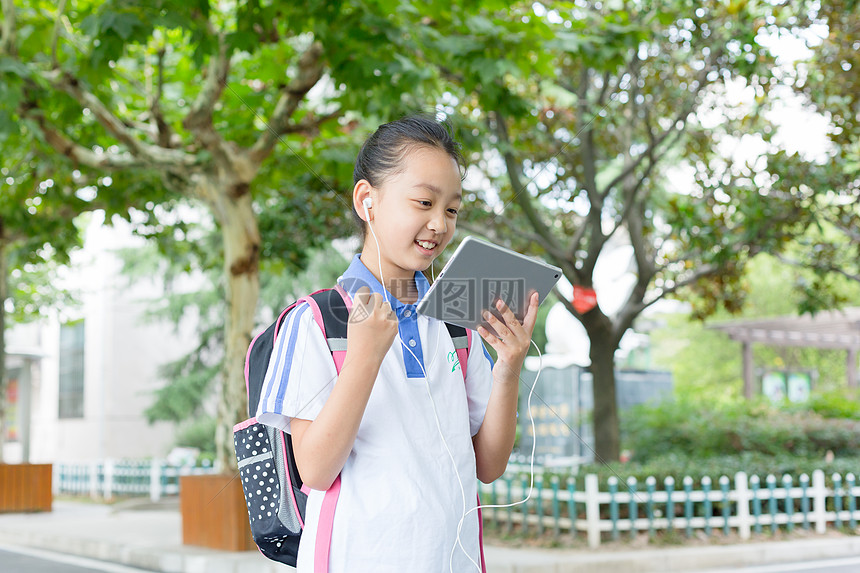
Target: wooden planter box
[(214, 513), (25, 487)]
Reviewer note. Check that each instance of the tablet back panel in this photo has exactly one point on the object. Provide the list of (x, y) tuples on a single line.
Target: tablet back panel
[(477, 275)]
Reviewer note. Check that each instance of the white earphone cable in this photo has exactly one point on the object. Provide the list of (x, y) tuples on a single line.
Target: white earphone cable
[(531, 468), (442, 435)]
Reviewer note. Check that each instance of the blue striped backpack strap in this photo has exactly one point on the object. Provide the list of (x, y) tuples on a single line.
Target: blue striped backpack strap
[(273, 488)]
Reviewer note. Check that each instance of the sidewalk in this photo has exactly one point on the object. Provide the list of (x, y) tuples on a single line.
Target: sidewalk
[(150, 537)]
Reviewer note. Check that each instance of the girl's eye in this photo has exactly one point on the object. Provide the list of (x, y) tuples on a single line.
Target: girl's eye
[(425, 203), (452, 211)]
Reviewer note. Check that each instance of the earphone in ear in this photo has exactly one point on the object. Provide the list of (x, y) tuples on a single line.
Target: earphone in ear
[(367, 204)]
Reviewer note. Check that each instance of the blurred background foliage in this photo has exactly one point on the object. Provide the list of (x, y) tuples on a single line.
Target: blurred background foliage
[(583, 123)]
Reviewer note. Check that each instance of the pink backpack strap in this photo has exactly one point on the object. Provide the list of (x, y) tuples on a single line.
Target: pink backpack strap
[(324, 529), (481, 536), (461, 346), (315, 309), (480, 517), (339, 353), (322, 545), (343, 294)]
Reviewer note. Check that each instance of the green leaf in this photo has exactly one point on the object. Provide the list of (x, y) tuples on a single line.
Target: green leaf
[(13, 66), (123, 23)]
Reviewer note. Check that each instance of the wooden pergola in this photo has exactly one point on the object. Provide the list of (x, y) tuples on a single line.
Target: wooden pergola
[(835, 330)]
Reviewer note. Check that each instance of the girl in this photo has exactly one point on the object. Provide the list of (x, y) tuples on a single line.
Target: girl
[(398, 425)]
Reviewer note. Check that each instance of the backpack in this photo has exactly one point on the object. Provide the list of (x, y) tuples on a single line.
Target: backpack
[(274, 492)]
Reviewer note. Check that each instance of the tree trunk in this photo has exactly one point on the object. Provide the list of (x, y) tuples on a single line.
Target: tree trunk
[(241, 238), (607, 438)]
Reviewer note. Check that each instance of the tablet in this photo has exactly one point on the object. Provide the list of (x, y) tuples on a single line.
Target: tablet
[(478, 274)]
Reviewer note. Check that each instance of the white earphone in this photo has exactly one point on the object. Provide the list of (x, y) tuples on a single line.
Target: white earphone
[(367, 202)]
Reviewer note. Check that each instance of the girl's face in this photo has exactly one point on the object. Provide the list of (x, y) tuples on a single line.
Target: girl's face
[(414, 213)]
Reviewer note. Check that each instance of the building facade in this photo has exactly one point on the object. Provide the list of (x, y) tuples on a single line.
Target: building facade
[(81, 379)]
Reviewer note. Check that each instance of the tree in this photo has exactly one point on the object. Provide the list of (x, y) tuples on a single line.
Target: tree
[(166, 101), (186, 399), (830, 81), (706, 365), (625, 136), (37, 234)]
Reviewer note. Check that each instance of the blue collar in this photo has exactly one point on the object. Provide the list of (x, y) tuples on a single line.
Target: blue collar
[(358, 275)]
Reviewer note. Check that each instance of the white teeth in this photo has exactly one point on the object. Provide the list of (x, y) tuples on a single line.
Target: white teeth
[(426, 245)]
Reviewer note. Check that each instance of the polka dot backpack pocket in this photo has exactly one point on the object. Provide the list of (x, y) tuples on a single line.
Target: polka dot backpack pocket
[(273, 488)]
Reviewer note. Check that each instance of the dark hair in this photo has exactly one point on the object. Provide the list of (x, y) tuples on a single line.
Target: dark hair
[(382, 154)]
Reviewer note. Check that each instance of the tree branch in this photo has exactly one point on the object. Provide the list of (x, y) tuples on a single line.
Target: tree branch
[(850, 232), (521, 194), (576, 240), (56, 34), (589, 159), (162, 129), (310, 123), (703, 271), (567, 304), (82, 155), (8, 40), (593, 221), (655, 142), (819, 267), (309, 73), (199, 118), (640, 182), (601, 98), (557, 257), (149, 154)]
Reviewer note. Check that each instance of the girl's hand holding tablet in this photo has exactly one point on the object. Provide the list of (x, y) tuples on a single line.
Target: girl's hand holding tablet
[(514, 338)]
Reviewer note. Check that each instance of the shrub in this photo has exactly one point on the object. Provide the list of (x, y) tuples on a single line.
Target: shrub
[(837, 403), (687, 429), (753, 463), (198, 433)]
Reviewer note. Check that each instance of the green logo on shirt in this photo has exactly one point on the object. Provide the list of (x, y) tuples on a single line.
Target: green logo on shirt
[(453, 360)]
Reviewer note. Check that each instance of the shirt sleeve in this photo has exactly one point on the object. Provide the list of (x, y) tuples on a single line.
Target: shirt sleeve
[(301, 372), (479, 382)]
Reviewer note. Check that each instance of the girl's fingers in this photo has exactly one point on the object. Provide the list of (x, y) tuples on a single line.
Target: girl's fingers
[(491, 338), (510, 319), (506, 311), (389, 312), (531, 316), (363, 295), (500, 327)]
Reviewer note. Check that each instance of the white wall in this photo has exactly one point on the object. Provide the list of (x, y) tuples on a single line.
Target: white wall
[(122, 354)]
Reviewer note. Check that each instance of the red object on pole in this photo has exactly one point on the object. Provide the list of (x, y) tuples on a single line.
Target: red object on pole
[(584, 299)]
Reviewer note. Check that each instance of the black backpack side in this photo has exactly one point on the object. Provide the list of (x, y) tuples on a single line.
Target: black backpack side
[(270, 479)]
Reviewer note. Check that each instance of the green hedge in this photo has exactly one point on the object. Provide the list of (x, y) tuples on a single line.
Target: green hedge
[(697, 431), (679, 466), (838, 403)]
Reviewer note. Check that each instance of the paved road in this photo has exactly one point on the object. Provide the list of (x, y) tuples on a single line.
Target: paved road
[(15, 560), (844, 565), (25, 560)]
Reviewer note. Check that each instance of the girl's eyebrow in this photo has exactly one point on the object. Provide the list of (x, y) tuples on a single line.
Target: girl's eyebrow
[(435, 190)]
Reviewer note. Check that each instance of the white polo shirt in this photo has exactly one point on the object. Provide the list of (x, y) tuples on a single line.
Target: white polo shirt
[(400, 501)]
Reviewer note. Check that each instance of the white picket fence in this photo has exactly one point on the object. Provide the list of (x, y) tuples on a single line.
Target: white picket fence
[(582, 507), (121, 478), (579, 506)]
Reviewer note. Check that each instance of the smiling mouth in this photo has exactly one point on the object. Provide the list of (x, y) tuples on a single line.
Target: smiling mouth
[(426, 245)]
